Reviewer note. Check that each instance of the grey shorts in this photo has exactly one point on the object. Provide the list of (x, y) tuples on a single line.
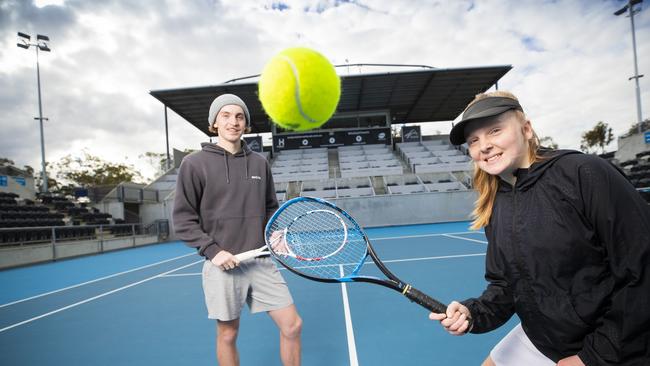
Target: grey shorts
[(256, 282)]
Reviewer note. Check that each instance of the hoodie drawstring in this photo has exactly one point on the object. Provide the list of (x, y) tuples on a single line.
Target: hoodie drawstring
[(245, 162), (225, 161)]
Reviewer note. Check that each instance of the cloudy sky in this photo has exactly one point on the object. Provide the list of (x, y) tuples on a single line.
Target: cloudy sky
[(571, 60)]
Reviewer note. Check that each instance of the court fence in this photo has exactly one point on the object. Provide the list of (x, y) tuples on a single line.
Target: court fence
[(27, 245)]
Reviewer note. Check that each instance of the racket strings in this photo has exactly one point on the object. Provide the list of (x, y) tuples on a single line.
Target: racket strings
[(320, 241)]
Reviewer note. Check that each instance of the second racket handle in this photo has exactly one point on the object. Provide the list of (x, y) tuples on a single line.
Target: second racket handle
[(424, 300)]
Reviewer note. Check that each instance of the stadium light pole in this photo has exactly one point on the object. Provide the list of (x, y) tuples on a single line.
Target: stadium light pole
[(629, 7), (40, 44)]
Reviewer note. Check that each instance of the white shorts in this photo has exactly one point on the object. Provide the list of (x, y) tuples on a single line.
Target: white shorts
[(257, 283), (516, 349)]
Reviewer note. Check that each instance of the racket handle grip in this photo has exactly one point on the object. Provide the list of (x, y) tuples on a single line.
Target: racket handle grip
[(424, 300), (242, 257), (429, 303)]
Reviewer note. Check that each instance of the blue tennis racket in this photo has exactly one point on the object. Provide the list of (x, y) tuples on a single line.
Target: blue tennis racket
[(319, 241)]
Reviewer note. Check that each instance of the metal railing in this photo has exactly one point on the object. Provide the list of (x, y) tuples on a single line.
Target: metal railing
[(55, 235)]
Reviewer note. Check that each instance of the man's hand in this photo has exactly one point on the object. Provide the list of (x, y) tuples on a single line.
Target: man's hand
[(225, 260)]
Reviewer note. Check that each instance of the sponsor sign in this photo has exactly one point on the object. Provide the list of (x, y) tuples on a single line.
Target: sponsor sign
[(411, 134), (255, 143), (332, 139)]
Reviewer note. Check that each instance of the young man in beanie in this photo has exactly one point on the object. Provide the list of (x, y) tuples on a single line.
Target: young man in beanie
[(224, 197)]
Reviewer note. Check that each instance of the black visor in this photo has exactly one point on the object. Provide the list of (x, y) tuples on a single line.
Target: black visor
[(487, 107)]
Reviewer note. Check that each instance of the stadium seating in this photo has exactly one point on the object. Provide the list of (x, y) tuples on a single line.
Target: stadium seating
[(433, 156), (33, 222), (441, 182), (434, 166), (354, 187), (367, 160), (322, 189), (297, 165), (638, 172), (338, 188), (404, 184)]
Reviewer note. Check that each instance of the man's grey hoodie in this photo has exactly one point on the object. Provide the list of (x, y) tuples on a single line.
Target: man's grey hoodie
[(223, 201)]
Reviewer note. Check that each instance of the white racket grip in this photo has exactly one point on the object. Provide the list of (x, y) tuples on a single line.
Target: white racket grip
[(242, 257)]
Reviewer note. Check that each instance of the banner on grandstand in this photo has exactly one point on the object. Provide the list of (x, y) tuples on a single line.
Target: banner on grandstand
[(411, 134), (306, 141), (333, 139), (310, 140), (19, 180), (3, 180), (647, 137), (255, 143), (368, 137)]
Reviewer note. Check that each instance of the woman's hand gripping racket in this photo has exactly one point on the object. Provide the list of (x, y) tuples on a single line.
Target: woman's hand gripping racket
[(321, 242)]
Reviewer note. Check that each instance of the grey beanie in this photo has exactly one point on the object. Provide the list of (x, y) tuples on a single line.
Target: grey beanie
[(224, 100)]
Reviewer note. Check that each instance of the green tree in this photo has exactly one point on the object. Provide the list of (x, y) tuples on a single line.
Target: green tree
[(52, 184), (158, 161), (91, 171), (599, 136)]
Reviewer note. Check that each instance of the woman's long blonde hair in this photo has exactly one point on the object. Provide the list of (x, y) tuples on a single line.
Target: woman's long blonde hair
[(485, 184)]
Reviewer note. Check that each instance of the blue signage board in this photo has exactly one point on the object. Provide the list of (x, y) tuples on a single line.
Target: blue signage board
[(3, 180), (647, 137)]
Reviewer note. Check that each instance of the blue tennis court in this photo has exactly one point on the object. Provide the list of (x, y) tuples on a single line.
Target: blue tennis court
[(145, 306)]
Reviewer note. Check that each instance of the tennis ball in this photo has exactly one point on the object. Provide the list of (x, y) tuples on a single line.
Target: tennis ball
[(299, 89)]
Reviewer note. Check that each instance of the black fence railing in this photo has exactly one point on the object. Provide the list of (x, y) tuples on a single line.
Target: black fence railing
[(20, 236)]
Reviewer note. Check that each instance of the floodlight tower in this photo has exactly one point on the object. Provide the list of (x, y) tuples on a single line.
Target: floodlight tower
[(40, 44), (629, 7)]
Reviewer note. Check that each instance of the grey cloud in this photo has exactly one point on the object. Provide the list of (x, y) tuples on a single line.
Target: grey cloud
[(24, 16)]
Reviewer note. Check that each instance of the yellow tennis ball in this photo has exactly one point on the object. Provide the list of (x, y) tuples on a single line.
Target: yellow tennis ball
[(299, 89)]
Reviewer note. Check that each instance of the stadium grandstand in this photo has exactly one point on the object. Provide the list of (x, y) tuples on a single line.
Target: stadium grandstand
[(633, 157), (360, 159), (370, 159)]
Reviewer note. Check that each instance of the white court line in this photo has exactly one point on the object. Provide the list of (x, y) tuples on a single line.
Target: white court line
[(422, 235), (430, 258), (365, 263), (96, 297), (182, 274), (464, 238), (95, 280), (352, 347)]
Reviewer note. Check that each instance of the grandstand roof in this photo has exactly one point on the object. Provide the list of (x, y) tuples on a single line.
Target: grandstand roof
[(410, 96)]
